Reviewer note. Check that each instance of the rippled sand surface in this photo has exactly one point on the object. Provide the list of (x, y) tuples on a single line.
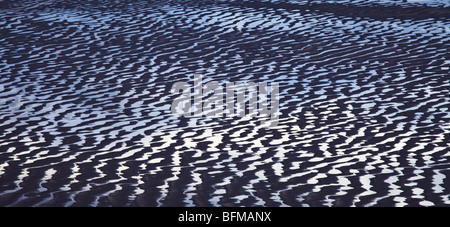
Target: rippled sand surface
[(85, 103)]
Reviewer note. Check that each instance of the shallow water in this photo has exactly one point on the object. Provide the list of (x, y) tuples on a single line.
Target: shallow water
[(85, 104)]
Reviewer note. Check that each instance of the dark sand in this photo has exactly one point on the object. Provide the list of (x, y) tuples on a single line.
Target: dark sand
[(85, 104)]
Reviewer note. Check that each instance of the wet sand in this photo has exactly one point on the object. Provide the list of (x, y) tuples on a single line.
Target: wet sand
[(85, 104)]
